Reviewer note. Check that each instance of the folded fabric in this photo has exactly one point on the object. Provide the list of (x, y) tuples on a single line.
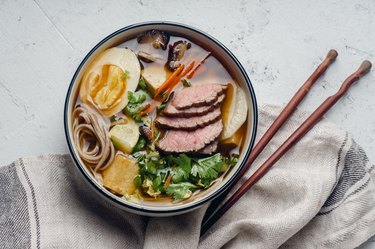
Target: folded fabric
[(321, 194)]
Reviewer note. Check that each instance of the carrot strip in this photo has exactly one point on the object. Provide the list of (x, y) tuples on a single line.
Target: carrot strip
[(168, 180), (169, 80), (178, 78), (191, 74), (152, 129), (187, 69), (150, 107), (146, 110)]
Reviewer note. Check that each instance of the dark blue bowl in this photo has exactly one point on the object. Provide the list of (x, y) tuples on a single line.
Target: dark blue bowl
[(225, 57)]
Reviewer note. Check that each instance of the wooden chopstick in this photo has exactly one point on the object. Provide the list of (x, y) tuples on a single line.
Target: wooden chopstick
[(279, 121), (293, 139)]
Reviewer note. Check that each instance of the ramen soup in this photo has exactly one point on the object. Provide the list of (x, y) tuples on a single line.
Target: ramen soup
[(158, 119)]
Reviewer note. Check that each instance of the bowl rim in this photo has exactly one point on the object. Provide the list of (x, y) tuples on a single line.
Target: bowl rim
[(201, 201)]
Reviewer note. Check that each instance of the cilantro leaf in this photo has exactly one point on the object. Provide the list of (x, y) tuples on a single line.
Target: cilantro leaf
[(134, 111), (208, 168), (234, 160), (182, 170), (142, 84), (136, 105), (139, 156), (137, 97), (181, 190), (161, 107), (138, 181), (185, 82), (115, 118), (149, 168), (140, 144), (125, 75), (157, 184)]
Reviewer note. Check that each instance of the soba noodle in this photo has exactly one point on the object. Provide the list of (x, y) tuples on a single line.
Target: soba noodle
[(91, 138)]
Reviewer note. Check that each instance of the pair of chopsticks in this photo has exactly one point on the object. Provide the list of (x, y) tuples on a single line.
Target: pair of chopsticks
[(213, 213)]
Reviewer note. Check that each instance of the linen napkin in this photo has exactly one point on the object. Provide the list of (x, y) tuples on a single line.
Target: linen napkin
[(321, 194)]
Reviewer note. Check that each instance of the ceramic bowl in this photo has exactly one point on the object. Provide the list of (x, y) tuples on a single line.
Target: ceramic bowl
[(225, 57)]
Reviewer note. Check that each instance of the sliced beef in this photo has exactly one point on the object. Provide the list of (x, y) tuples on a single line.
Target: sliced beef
[(209, 149), (172, 111), (178, 141), (200, 95), (191, 123)]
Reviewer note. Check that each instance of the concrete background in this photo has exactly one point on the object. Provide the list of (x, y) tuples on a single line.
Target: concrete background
[(279, 44)]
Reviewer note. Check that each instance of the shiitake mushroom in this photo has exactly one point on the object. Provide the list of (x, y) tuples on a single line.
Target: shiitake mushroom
[(158, 39), (176, 53), (146, 57), (146, 132)]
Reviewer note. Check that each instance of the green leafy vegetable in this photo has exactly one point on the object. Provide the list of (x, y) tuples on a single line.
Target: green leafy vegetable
[(115, 118), (142, 84), (165, 102), (161, 107), (138, 181), (140, 144), (137, 97), (182, 170), (208, 168), (134, 111), (139, 156), (136, 105), (149, 168), (185, 82), (181, 190), (234, 160), (157, 184), (148, 186), (126, 75), (186, 173)]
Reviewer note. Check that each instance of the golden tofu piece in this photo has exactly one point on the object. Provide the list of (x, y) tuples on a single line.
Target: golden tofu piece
[(119, 176), (155, 75)]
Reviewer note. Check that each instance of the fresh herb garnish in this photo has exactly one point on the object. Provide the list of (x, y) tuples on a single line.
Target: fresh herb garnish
[(181, 190), (137, 97), (140, 144), (160, 107), (125, 75), (115, 118), (182, 170), (187, 173), (234, 160), (142, 84), (136, 105), (138, 181), (185, 82), (207, 169)]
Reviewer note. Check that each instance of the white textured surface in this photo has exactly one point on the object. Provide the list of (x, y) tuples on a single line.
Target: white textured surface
[(279, 44)]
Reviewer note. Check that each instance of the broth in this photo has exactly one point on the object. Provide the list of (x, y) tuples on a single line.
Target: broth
[(154, 188)]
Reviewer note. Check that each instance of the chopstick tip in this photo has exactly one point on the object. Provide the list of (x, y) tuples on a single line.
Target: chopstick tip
[(332, 55), (364, 67)]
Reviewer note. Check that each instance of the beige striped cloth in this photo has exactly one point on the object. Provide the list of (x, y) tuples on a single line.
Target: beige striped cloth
[(321, 194)]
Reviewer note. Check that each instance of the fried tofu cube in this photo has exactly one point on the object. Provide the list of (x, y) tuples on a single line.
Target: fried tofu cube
[(119, 176), (154, 76)]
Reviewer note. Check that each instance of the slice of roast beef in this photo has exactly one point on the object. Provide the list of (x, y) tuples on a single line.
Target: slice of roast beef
[(178, 141), (209, 149), (172, 111), (191, 123), (200, 95)]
